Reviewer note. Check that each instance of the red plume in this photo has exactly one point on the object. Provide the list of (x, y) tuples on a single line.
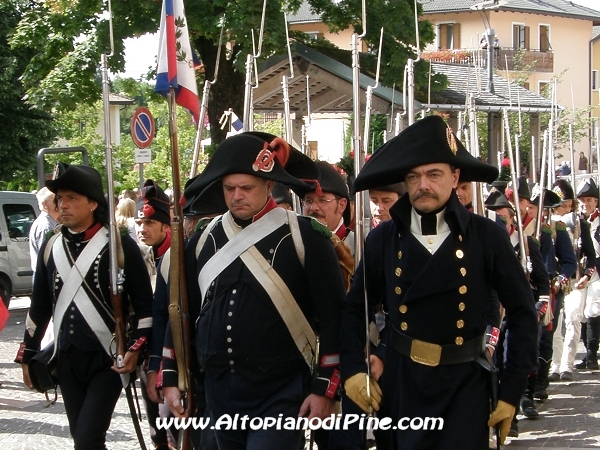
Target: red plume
[(281, 149), (148, 210)]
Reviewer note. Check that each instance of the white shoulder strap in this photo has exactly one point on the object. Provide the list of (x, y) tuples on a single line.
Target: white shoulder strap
[(48, 248), (246, 238), (205, 234), (302, 333), (165, 264), (296, 236)]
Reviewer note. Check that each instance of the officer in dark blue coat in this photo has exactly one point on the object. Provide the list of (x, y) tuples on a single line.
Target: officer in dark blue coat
[(432, 265), (254, 360)]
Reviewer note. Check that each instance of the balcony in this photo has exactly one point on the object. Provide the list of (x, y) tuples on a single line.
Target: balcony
[(504, 57)]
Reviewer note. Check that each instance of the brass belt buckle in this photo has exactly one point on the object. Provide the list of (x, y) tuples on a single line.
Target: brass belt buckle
[(425, 353)]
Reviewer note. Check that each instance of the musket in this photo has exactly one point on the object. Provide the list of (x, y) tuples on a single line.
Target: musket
[(359, 158), (115, 263), (410, 71), (248, 119), (179, 316), (515, 193), (476, 187), (286, 87), (538, 225), (204, 105), (115, 250)]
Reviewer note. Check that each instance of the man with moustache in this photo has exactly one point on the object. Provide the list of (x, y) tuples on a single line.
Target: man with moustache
[(265, 278), (432, 266), (331, 206)]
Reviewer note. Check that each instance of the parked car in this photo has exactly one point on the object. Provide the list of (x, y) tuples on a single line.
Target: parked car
[(18, 210)]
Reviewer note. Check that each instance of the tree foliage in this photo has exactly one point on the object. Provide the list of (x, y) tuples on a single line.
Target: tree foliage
[(25, 129), (67, 38)]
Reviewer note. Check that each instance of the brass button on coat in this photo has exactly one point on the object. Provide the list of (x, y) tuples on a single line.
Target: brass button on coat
[(404, 326), (460, 323), (398, 271), (462, 289), (463, 271), (400, 255), (459, 340), (461, 306), (403, 308), (459, 254), (397, 290)]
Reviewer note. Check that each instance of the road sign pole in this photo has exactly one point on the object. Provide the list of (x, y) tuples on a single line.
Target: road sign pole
[(141, 168)]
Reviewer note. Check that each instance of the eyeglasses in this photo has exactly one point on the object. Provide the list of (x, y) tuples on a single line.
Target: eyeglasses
[(321, 202)]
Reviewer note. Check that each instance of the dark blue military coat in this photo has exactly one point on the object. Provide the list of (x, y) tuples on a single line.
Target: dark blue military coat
[(442, 299)]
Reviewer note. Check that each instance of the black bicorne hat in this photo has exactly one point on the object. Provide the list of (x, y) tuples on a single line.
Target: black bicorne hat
[(551, 199), (156, 204), (259, 154), (523, 190), (564, 190), (281, 194), (587, 188), (500, 185), (84, 180), (209, 202), (398, 188), (497, 200), (331, 181), (427, 141)]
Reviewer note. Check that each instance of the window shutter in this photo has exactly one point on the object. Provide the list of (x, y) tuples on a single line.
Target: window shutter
[(456, 35)]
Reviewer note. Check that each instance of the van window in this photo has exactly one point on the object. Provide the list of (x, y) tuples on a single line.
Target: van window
[(19, 218)]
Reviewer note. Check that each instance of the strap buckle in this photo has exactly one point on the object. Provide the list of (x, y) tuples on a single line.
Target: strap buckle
[(425, 353)]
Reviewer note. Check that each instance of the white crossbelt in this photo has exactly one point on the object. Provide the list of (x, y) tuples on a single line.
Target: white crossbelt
[(302, 333), (72, 290), (246, 238)]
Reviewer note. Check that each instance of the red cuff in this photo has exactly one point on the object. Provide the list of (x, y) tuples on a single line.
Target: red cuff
[(334, 383), (19, 358), (137, 344)]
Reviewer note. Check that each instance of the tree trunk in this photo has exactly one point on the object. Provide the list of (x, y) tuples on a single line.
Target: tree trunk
[(227, 92)]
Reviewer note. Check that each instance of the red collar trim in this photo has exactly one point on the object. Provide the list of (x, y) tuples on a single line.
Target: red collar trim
[(162, 248), (271, 204), (527, 220), (90, 232), (593, 216), (342, 232)]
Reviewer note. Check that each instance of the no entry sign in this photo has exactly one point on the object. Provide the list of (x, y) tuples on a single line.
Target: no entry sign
[(142, 127)]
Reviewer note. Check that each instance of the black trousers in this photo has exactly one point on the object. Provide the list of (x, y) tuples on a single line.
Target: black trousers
[(90, 390)]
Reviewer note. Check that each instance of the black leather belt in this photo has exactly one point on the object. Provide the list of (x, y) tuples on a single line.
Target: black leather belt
[(434, 354)]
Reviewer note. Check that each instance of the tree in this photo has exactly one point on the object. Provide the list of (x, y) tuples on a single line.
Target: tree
[(25, 129), (68, 38)]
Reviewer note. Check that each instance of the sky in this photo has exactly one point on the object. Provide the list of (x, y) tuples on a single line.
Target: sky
[(140, 53)]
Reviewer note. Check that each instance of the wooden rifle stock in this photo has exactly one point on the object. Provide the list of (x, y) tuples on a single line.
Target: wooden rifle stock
[(179, 316)]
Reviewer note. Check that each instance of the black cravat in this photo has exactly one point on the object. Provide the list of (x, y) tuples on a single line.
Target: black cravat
[(429, 224), (429, 221)]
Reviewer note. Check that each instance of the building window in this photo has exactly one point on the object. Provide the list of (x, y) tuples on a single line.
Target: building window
[(594, 80), (544, 89), (545, 38), (314, 35), (520, 37), (448, 36)]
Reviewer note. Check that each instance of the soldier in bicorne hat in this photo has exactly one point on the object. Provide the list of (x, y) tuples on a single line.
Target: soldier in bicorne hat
[(72, 286), (432, 265), (587, 194), (264, 278), (563, 356)]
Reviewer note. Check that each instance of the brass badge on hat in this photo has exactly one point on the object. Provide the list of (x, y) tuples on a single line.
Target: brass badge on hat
[(451, 140), (264, 161)]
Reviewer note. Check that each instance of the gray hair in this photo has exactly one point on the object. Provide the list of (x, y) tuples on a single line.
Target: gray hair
[(42, 195)]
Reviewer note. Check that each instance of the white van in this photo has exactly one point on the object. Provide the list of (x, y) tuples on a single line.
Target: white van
[(18, 210)]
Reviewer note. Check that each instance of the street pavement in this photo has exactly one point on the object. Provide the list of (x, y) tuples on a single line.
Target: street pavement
[(569, 419)]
